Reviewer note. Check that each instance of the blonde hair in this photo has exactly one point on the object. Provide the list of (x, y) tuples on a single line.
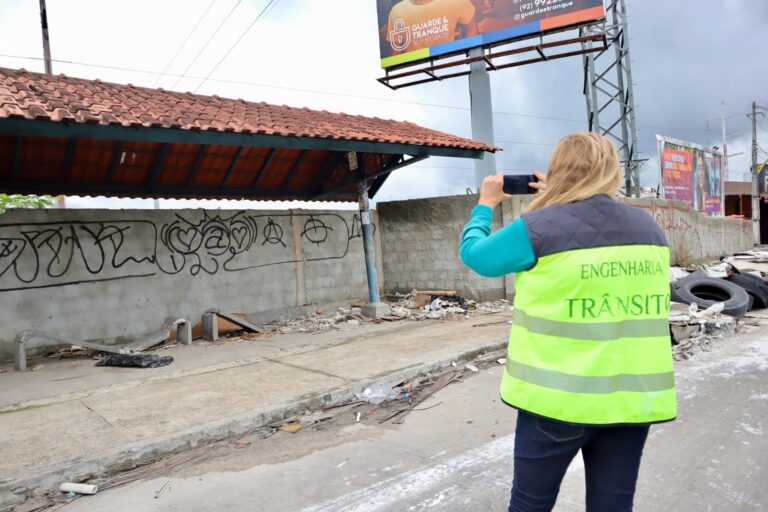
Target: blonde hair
[(583, 165)]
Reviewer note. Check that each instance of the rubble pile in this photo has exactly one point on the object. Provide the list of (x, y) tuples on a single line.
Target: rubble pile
[(414, 306), (446, 305), (688, 347), (709, 300), (694, 331), (319, 322)]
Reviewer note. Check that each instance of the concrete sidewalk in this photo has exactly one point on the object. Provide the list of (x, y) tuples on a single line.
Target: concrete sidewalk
[(71, 421)]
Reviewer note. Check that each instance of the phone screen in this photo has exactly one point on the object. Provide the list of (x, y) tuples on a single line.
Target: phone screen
[(517, 185)]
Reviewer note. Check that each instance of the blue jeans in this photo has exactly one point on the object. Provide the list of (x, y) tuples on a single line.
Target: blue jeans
[(544, 449)]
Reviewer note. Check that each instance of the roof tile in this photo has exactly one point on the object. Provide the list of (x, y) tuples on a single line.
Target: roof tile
[(36, 96)]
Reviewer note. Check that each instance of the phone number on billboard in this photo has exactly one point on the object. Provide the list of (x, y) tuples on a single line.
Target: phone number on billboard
[(549, 5), (527, 4)]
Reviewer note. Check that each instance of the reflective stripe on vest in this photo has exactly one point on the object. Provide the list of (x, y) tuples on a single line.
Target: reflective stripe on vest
[(593, 385), (595, 331)]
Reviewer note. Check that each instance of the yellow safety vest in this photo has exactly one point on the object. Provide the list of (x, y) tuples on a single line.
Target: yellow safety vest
[(590, 340)]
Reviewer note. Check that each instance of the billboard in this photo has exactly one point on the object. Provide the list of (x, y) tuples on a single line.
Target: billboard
[(762, 178), (691, 173), (414, 30)]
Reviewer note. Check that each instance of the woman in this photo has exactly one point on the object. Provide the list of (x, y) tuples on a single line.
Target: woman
[(589, 365)]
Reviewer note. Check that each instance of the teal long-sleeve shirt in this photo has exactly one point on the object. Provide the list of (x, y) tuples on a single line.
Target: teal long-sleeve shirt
[(506, 251)]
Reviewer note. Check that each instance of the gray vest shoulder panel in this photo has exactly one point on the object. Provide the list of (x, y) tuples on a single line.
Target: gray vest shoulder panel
[(595, 222)]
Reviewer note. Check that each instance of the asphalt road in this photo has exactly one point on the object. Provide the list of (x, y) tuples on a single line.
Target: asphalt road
[(457, 455)]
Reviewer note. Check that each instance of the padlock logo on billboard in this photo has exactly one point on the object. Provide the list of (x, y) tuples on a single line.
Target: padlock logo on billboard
[(400, 36)]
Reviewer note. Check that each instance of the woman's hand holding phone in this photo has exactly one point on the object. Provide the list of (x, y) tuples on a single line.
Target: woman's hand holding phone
[(492, 189), (541, 184)]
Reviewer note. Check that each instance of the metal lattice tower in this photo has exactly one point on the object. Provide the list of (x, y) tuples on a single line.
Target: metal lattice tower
[(609, 92)]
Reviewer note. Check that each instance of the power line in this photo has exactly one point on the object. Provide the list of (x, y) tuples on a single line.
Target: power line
[(327, 93), (416, 166), (524, 143), (260, 15), (297, 89), (207, 43), (173, 59)]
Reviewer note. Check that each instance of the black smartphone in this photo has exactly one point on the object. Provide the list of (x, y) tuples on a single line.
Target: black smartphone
[(517, 184)]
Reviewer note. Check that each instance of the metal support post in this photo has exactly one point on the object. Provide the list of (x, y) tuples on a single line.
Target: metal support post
[(755, 178), (609, 91), (375, 308), (482, 114)]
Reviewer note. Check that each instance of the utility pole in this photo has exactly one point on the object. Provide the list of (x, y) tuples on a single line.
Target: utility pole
[(755, 177), (724, 164), (725, 142), (46, 41), (60, 201), (609, 90)]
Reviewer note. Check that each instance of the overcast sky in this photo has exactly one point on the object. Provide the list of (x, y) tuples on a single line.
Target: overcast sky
[(688, 56)]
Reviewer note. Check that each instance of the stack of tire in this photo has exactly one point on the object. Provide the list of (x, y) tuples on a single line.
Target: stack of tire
[(740, 292)]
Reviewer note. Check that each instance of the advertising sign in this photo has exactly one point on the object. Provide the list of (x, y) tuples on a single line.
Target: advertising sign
[(414, 30), (691, 173), (762, 178)]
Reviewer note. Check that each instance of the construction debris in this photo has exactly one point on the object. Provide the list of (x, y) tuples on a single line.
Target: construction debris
[(69, 352), (78, 488), (162, 489), (444, 305), (420, 394), (318, 322), (35, 505), (688, 347), (292, 428), (211, 322), (135, 361), (750, 261), (31, 337), (694, 330), (377, 393)]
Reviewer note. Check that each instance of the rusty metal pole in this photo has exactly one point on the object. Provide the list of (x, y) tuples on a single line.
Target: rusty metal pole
[(375, 308)]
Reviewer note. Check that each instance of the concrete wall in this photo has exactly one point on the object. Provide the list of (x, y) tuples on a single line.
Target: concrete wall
[(420, 241), (693, 237), (113, 275)]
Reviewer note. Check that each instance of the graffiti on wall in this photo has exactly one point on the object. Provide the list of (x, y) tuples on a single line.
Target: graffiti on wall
[(50, 254), (686, 243)]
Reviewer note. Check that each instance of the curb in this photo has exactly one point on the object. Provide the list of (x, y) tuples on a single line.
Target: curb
[(141, 453)]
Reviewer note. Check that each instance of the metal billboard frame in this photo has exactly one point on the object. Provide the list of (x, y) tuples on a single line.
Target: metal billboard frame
[(608, 87), (497, 55), (609, 91)]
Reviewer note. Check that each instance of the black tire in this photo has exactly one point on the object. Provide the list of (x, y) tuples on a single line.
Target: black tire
[(706, 291), (754, 286)]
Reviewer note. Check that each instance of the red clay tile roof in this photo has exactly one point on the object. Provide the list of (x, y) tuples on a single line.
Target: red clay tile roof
[(35, 96)]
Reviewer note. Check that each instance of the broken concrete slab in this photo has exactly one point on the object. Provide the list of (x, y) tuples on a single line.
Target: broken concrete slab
[(29, 338)]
